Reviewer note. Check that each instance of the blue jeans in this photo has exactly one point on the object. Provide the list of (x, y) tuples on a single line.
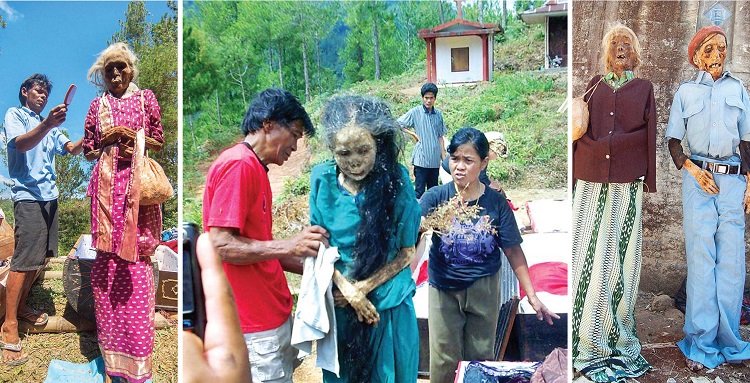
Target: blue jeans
[(714, 227)]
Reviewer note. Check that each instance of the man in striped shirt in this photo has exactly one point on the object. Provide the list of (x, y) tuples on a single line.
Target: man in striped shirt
[(428, 126)]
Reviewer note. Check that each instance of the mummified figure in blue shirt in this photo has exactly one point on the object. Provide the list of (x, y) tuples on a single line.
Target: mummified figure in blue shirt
[(712, 113)]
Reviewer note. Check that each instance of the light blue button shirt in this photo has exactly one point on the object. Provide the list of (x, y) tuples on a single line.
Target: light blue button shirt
[(713, 115), (429, 127), (32, 172)]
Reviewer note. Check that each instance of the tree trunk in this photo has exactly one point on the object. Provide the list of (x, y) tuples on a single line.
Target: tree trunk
[(281, 72), (238, 79), (376, 47), (317, 57), (218, 112), (307, 76), (480, 8), (442, 16), (192, 133)]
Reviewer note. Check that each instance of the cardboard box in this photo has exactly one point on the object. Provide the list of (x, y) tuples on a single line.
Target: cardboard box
[(166, 287), (166, 291)]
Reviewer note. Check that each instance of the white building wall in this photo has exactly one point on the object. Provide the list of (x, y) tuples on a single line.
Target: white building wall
[(443, 46)]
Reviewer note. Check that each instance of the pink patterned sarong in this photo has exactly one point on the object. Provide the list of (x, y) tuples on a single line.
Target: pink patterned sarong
[(125, 235)]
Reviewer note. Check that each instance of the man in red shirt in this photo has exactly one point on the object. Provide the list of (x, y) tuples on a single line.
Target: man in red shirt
[(237, 214)]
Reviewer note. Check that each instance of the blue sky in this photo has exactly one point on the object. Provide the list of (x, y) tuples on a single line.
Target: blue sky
[(60, 39)]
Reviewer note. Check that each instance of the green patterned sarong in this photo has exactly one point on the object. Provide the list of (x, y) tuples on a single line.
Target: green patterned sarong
[(606, 270)]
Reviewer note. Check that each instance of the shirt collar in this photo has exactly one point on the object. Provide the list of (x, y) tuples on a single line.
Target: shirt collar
[(427, 110), (247, 144), (705, 78), (30, 112), (617, 82)]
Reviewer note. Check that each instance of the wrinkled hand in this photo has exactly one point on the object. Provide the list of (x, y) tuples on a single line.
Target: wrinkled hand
[(746, 200), (366, 312), (339, 299), (306, 243), (704, 177), (542, 312)]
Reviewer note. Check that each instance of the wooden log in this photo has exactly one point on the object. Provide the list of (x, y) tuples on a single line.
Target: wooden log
[(51, 274), (75, 323)]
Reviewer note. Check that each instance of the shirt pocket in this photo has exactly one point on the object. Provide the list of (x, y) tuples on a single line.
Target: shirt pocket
[(696, 123), (266, 361), (692, 109), (733, 111)]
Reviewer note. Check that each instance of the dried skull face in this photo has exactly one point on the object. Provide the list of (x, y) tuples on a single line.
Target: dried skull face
[(354, 150), (711, 54), (117, 73), (621, 53)]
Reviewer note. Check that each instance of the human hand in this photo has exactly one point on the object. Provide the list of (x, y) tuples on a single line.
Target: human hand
[(223, 356), (365, 310), (307, 243), (56, 116), (339, 299), (542, 312), (746, 200), (413, 135), (704, 177)]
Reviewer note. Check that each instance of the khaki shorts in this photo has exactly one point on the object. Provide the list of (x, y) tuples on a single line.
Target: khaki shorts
[(272, 357)]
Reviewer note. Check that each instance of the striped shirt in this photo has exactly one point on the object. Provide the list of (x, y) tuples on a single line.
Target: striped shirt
[(429, 127)]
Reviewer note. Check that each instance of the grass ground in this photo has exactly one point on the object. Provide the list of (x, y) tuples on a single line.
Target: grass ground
[(82, 347)]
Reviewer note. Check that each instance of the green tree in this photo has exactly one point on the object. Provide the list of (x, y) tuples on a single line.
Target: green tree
[(73, 173)]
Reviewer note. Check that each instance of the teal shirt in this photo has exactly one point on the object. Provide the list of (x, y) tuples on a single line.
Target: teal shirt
[(394, 353), (333, 208)]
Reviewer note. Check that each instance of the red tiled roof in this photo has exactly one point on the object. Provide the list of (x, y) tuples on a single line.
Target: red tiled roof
[(550, 8), (471, 28)]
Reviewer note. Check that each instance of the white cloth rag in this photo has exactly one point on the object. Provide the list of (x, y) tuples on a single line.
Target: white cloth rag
[(314, 319)]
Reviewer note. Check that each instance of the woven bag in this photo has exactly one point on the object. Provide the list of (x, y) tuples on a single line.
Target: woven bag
[(155, 187), (579, 111)]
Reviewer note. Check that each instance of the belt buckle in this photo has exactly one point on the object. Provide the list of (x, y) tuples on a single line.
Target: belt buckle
[(721, 168)]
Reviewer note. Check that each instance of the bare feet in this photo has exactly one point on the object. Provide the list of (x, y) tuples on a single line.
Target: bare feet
[(11, 344), (693, 365)]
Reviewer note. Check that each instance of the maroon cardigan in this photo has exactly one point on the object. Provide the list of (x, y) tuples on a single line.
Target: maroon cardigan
[(620, 143)]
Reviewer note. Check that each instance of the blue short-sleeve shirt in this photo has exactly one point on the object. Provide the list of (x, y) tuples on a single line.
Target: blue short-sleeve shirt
[(713, 115), (32, 172)]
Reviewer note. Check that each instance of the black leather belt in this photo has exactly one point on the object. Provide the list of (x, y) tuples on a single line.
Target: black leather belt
[(717, 168)]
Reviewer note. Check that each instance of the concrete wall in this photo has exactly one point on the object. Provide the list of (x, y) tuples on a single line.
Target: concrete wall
[(664, 29), (443, 47)]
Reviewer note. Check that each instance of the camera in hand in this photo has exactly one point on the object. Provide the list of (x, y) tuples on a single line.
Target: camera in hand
[(193, 301)]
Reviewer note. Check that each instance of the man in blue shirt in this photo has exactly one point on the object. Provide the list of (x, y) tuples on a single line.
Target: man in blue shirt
[(32, 142), (712, 112), (429, 149)]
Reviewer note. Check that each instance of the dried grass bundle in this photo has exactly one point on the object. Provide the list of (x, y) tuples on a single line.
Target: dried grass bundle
[(456, 214)]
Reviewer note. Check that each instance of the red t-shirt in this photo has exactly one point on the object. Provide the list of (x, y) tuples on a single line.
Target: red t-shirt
[(238, 195)]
